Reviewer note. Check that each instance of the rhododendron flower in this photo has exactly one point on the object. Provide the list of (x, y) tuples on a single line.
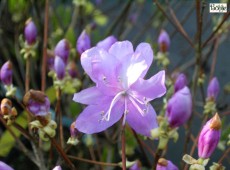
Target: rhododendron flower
[(59, 67), (62, 50), (180, 82), (164, 164), (83, 42), (6, 73), (120, 88), (163, 41), (4, 166), (179, 107), (209, 137), (213, 88), (30, 32), (107, 42), (37, 102)]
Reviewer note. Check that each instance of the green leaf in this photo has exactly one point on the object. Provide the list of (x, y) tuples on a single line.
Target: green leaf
[(7, 141)]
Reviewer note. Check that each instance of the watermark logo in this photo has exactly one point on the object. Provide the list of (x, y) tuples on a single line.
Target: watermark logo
[(218, 7)]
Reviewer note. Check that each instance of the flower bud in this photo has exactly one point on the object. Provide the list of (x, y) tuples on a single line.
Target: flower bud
[(107, 42), (213, 89), (6, 73), (4, 166), (62, 50), (136, 166), (164, 164), (163, 41), (30, 32), (37, 102), (73, 130), (83, 42), (209, 137), (6, 105), (180, 82), (59, 67), (50, 60), (72, 69), (179, 107)]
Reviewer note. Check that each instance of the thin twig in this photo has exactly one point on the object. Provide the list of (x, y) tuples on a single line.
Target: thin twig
[(43, 85), (141, 147), (93, 162), (62, 153), (217, 29), (123, 155), (216, 45), (175, 23), (59, 117), (27, 81), (224, 155)]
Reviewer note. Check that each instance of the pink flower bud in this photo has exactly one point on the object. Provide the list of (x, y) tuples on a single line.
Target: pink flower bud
[(213, 88), (107, 42), (209, 137), (164, 164), (163, 41), (59, 67), (179, 107), (62, 50), (4, 166), (30, 32), (83, 42), (180, 82), (37, 102), (6, 73)]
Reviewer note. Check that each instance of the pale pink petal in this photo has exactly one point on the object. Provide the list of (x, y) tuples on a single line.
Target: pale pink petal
[(90, 95), (146, 53), (90, 120), (122, 50), (151, 88), (142, 124)]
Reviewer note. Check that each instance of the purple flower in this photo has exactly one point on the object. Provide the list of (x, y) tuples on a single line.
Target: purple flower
[(30, 32), (180, 82), (213, 88), (57, 168), (107, 42), (37, 102), (4, 166), (83, 42), (179, 107), (136, 166), (6, 73), (163, 41), (209, 137), (120, 88), (164, 164), (59, 67), (62, 50)]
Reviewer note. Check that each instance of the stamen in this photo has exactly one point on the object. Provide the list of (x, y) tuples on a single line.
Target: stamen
[(136, 106), (125, 113), (114, 101)]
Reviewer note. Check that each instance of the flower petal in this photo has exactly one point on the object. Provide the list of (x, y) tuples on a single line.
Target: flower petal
[(141, 124), (90, 120), (102, 68), (146, 53), (90, 95), (122, 50), (151, 88)]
